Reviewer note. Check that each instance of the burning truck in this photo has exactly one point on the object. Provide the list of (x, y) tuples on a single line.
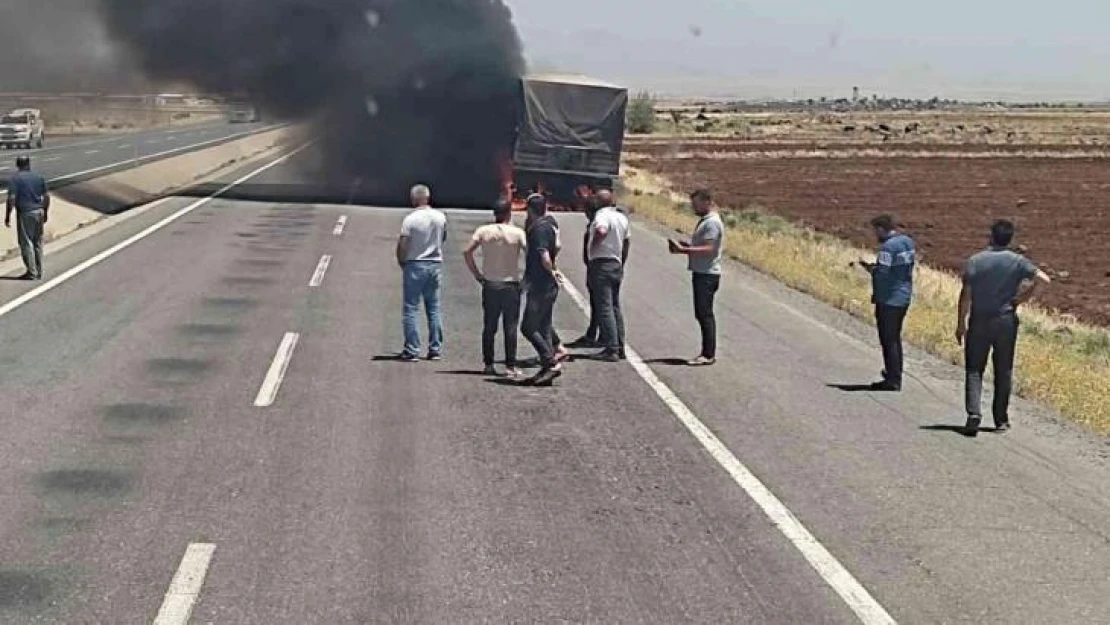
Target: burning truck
[(568, 140)]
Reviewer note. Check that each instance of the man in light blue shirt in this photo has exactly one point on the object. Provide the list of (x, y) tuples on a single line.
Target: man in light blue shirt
[(892, 291)]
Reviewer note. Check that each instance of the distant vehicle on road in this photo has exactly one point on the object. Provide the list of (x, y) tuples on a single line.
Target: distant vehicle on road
[(243, 114), (570, 132), (23, 128)]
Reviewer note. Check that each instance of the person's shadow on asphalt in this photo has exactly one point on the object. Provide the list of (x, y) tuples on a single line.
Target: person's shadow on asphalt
[(954, 429), (669, 362)]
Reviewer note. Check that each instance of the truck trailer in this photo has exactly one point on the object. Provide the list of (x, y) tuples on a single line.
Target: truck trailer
[(569, 136)]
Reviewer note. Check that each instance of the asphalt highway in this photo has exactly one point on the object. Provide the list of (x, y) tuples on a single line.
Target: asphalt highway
[(70, 159), (202, 423)]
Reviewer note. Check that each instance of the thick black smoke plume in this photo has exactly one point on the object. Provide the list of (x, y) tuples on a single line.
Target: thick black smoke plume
[(59, 46), (398, 91)]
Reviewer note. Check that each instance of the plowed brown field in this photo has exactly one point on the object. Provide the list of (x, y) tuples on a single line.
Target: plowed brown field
[(1061, 206)]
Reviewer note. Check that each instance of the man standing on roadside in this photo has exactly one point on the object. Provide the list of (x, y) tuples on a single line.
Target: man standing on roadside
[(593, 332), (996, 282), (501, 244), (542, 280), (420, 255), (610, 239), (891, 292), (29, 198), (704, 252)]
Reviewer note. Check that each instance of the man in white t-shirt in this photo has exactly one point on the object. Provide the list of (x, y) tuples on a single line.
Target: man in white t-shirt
[(420, 255), (610, 240), (502, 245)]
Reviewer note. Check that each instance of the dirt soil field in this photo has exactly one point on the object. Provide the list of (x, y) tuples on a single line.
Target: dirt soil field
[(1061, 206)]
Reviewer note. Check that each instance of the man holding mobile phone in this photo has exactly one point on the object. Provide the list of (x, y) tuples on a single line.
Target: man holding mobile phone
[(704, 253)]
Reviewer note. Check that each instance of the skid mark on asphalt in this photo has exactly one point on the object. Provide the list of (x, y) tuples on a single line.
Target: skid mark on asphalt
[(230, 304), (142, 414), (176, 372), (210, 331), (248, 281), (178, 366), (88, 482), (260, 262), (23, 589), (64, 524)]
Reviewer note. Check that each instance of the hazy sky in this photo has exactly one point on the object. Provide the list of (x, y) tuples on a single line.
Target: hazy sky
[(776, 48)]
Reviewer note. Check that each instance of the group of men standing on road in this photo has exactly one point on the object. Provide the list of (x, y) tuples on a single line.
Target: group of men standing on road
[(605, 251), (996, 282)]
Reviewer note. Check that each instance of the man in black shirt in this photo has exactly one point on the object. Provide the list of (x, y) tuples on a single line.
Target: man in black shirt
[(542, 279)]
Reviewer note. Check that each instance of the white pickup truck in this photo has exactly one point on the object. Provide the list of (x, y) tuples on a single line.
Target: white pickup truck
[(23, 128), (243, 114)]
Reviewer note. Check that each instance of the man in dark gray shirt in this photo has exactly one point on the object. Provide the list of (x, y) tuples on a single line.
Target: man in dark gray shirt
[(29, 198), (996, 282)]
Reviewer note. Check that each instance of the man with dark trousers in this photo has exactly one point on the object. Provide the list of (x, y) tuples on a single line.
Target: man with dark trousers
[(891, 292), (29, 199), (996, 282), (610, 240), (704, 253), (593, 332), (502, 244), (543, 281)]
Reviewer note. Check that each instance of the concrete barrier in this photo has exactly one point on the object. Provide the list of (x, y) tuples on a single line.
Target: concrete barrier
[(81, 205)]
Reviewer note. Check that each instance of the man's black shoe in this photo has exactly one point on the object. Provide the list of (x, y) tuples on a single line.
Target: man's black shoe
[(27, 276), (607, 355), (1001, 427), (971, 428), (583, 341), (546, 377), (886, 386)]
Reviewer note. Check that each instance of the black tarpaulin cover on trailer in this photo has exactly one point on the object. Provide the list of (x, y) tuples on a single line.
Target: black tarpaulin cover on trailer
[(572, 112)]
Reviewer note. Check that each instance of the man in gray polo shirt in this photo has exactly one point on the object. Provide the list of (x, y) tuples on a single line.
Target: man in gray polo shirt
[(996, 282), (704, 253)]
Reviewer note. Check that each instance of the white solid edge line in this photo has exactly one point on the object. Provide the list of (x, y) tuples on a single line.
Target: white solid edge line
[(339, 225), (150, 157), (115, 249), (321, 269), (867, 609), (272, 382), (184, 590)]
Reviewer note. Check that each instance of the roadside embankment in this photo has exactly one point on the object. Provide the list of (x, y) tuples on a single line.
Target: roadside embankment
[(1061, 363), (80, 205)]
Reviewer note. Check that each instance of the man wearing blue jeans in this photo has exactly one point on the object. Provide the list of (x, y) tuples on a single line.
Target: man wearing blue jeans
[(420, 255)]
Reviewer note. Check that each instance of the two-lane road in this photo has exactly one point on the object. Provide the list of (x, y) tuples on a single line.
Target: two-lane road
[(70, 159), (202, 423)]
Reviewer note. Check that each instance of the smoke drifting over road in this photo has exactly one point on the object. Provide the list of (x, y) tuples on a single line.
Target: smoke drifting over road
[(58, 46), (397, 91)]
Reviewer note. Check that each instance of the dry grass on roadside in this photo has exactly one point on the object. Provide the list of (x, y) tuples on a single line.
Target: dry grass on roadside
[(1061, 363)]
